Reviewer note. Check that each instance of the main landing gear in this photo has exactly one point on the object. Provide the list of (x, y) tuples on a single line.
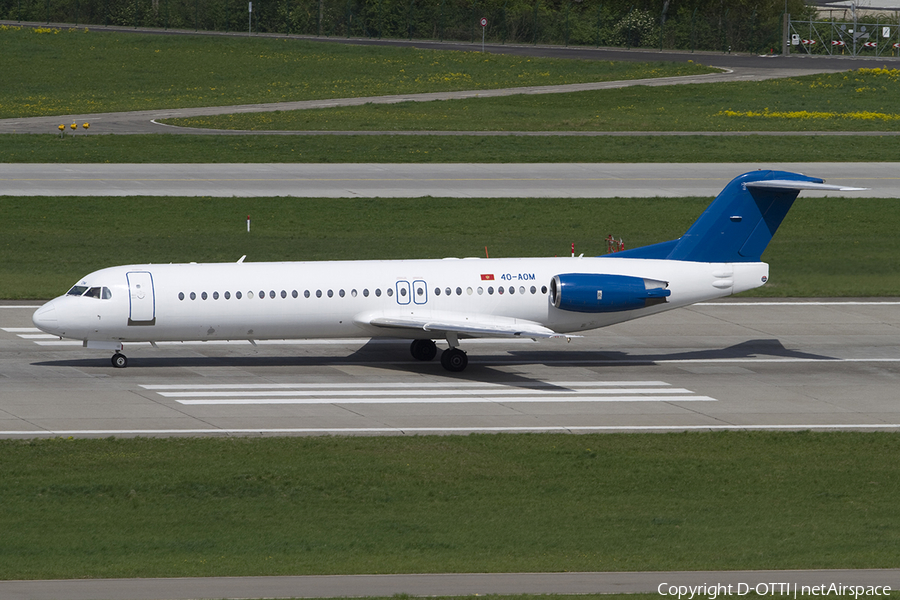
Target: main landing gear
[(453, 358), (119, 360)]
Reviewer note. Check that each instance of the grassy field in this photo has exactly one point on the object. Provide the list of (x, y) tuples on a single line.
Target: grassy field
[(195, 507), (441, 149), (862, 100), (826, 247), (51, 72)]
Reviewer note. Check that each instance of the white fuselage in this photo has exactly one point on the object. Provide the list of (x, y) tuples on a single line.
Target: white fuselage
[(295, 300)]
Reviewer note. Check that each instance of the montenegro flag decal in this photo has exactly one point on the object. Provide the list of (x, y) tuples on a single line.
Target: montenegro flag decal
[(487, 277)]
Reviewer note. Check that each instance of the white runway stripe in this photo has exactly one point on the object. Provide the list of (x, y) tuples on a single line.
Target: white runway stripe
[(449, 400), (420, 393), (424, 393), (400, 385)]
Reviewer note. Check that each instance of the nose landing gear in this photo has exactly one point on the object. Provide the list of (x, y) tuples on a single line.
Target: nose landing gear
[(119, 360)]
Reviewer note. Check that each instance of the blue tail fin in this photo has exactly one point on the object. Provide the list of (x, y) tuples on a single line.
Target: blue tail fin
[(740, 222)]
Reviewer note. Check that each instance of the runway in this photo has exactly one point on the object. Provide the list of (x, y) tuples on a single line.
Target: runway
[(723, 365), (459, 180)]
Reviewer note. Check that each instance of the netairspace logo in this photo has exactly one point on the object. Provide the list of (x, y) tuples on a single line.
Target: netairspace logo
[(713, 591)]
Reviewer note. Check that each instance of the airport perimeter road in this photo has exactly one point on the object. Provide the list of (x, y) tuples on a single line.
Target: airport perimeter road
[(138, 122), (559, 180), (779, 584), (724, 365)]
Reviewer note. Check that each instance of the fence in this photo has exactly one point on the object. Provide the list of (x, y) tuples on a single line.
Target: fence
[(878, 36), (578, 22)]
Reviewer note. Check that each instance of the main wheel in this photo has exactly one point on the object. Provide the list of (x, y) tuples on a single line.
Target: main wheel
[(119, 361), (423, 349), (454, 360)]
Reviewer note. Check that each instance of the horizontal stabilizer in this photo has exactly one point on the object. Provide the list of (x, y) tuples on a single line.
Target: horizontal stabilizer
[(787, 184)]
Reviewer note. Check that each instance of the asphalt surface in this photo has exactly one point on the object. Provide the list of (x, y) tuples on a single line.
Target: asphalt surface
[(462, 180), (773, 583), (726, 365)]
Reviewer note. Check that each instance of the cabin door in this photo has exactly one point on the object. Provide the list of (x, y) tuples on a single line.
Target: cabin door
[(142, 300)]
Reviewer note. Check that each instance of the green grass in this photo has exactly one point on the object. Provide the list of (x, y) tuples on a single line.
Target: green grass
[(79, 71), (863, 100), (481, 503), (826, 247), (440, 149)]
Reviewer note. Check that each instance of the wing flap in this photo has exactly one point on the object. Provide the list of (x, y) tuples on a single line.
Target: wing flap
[(481, 327)]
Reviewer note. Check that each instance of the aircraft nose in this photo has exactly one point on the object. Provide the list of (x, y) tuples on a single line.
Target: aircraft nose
[(45, 319)]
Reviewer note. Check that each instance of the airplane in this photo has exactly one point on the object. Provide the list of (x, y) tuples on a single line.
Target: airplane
[(426, 300)]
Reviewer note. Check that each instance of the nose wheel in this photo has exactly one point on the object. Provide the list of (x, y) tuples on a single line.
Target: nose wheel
[(119, 360)]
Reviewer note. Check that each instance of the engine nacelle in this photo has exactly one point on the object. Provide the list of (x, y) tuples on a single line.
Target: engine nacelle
[(596, 293)]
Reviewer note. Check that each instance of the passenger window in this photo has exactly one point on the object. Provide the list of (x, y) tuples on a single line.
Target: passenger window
[(294, 294), (193, 296), (490, 290), (366, 292), (403, 292), (469, 291), (215, 295), (228, 295), (390, 292), (237, 295), (480, 291), (262, 294), (521, 289), (459, 291), (271, 293), (353, 293), (437, 291), (318, 293), (341, 293), (448, 291), (500, 290), (378, 292), (533, 289), (512, 290), (331, 293), (250, 294), (543, 289), (306, 293), (181, 295), (283, 294)]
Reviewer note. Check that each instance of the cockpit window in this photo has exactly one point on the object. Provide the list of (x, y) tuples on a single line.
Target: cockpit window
[(103, 293)]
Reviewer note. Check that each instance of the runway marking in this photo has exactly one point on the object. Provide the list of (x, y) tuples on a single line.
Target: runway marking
[(426, 393), (395, 385), (444, 430)]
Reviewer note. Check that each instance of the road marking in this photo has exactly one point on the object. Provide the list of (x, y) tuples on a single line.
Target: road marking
[(425, 393), (442, 430), (395, 385), (459, 400)]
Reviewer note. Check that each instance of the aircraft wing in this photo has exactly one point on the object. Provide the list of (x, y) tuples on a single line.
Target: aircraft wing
[(482, 326)]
